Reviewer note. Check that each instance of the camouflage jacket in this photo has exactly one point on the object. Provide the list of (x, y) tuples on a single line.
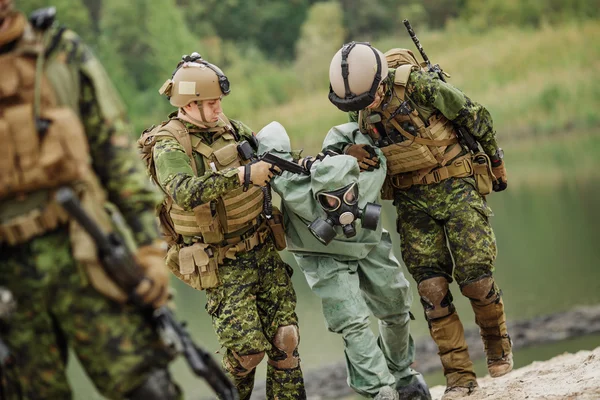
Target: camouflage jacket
[(176, 177), (429, 94), (87, 89)]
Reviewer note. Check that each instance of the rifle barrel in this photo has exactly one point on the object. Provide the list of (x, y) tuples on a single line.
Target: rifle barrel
[(415, 40)]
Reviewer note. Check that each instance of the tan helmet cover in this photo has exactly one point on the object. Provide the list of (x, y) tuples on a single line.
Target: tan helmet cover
[(193, 81), (362, 68)]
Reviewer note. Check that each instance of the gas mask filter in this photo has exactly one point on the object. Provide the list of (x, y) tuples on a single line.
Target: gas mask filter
[(341, 207)]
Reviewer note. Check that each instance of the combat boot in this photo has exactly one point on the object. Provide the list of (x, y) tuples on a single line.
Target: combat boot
[(413, 388), (459, 392), (488, 306), (447, 332), (387, 393)]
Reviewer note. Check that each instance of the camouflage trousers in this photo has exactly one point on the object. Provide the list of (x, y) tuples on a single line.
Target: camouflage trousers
[(445, 222), (255, 299), (57, 309)]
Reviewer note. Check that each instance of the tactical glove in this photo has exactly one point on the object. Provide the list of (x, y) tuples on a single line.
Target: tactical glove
[(154, 288), (365, 155), (259, 173), (499, 171)]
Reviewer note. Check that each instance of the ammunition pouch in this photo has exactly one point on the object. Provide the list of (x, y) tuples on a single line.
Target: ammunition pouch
[(275, 224), (197, 265), (484, 178)]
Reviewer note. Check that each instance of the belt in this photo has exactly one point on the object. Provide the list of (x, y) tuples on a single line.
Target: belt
[(249, 240), (460, 168), (35, 223)]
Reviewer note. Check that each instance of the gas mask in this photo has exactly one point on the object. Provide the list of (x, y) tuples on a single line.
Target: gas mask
[(341, 207)]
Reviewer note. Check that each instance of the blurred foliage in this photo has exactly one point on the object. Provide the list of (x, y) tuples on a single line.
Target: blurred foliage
[(277, 52), (322, 33), (270, 25)]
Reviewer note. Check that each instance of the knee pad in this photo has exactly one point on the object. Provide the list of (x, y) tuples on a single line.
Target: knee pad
[(436, 298), (286, 340), (157, 386), (246, 363), (482, 291)]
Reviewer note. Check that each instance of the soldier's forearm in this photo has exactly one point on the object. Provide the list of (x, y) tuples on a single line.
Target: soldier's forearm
[(188, 191)]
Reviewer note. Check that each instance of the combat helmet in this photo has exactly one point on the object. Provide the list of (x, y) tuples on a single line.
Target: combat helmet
[(354, 75), (195, 79)]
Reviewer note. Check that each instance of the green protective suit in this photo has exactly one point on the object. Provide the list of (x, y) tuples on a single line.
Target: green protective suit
[(354, 277)]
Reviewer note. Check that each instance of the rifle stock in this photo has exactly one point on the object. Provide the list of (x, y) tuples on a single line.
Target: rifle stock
[(120, 266)]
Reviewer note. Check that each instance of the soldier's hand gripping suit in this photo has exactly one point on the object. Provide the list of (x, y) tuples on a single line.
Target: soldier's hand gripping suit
[(220, 240), (61, 124), (439, 191), (333, 231)]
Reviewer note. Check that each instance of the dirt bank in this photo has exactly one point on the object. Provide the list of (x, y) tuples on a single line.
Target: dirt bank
[(564, 377)]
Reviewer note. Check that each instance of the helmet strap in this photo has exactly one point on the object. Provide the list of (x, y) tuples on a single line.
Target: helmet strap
[(199, 122)]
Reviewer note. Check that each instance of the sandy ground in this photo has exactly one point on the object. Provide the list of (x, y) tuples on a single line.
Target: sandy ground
[(564, 377)]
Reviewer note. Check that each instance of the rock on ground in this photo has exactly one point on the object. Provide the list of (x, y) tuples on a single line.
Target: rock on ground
[(564, 377)]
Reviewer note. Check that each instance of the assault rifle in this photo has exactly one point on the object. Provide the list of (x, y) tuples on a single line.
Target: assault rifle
[(121, 267), (465, 137)]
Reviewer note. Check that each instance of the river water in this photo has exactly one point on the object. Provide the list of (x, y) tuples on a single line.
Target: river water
[(549, 248)]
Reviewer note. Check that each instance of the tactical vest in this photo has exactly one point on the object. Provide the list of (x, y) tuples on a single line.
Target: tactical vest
[(225, 218), (42, 144), (424, 147)]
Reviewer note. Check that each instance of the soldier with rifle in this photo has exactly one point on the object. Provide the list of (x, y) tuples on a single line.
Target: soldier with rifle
[(62, 124), (442, 160)]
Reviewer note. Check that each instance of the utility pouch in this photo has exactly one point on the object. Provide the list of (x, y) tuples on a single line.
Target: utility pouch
[(207, 219), (482, 172), (198, 266), (277, 228)]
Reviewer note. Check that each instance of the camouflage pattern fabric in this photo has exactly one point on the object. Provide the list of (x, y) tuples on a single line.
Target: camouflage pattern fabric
[(452, 211), (429, 94), (56, 305), (115, 159), (56, 308), (256, 296), (426, 90), (255, 299), (175, 174)]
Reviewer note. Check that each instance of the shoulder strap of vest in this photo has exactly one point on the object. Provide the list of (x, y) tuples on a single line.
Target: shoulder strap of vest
[(176, 129), (415, 139), (403, 73)]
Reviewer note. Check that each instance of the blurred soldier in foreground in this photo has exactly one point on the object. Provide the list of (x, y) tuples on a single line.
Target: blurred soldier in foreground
[(438, 186), (62, 124), (332, 228), (222, 239)]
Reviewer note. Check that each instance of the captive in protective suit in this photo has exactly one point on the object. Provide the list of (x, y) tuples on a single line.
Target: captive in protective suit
[(439, 188), (333, 230), (221, 240), (62, 124)]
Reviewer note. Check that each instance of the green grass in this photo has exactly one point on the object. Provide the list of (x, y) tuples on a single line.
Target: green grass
[(534, 82)]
